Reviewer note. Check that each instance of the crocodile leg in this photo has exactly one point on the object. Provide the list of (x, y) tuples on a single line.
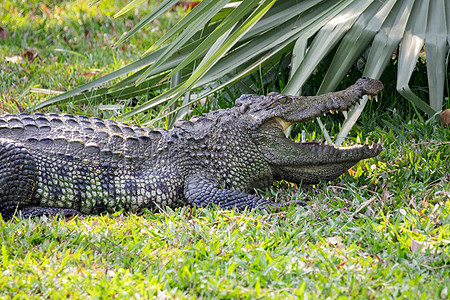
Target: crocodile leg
[(17, 178), (18, 182), (201, 190), (37, 211)]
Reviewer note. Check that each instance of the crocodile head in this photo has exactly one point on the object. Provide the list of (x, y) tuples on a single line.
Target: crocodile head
[(268, 117)]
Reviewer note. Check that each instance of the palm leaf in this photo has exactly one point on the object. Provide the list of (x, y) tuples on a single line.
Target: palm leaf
[(219, 43), (436, 50), (215, 53), (383, 46), (412, 42)]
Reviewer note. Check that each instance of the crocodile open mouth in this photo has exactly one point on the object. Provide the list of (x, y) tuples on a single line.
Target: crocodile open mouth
[(368, 148), (306, 161), (342, 154), (311, 161)]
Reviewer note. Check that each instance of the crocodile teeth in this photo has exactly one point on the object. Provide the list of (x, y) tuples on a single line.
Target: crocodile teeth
[(367, 141), (344, 112), (373, 97), (358, 141)]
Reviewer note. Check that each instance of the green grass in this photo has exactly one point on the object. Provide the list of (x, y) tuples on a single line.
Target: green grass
[(352, 241), (72, 44)]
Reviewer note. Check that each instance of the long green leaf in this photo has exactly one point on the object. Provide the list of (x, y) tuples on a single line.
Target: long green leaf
[(281, 12), (308, 25), (298, 55), (291, 27), (384, 44), (388, 38), (207, 35), (286, 34), (174, 60), (111, 76), (230, 21), (97, 95), (177, 88), (225, 44), (200, 11), (411, 45), (436, 50), (447, 16), (323, 43), (212, 51), (174, 81), (128, 7), (207, 9), (208, 62), (170, 63), (271, 56), (149, 18), (355, 42)]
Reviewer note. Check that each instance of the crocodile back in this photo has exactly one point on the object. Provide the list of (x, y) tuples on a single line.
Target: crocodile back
[(79, 136)]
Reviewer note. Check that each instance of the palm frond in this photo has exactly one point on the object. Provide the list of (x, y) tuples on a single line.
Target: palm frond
[(221, 42)]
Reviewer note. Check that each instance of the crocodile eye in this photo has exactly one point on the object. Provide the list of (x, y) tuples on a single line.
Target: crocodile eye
[(283, 100)]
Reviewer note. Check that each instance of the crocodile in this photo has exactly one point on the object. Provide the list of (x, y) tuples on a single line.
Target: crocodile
[(59, 164)]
